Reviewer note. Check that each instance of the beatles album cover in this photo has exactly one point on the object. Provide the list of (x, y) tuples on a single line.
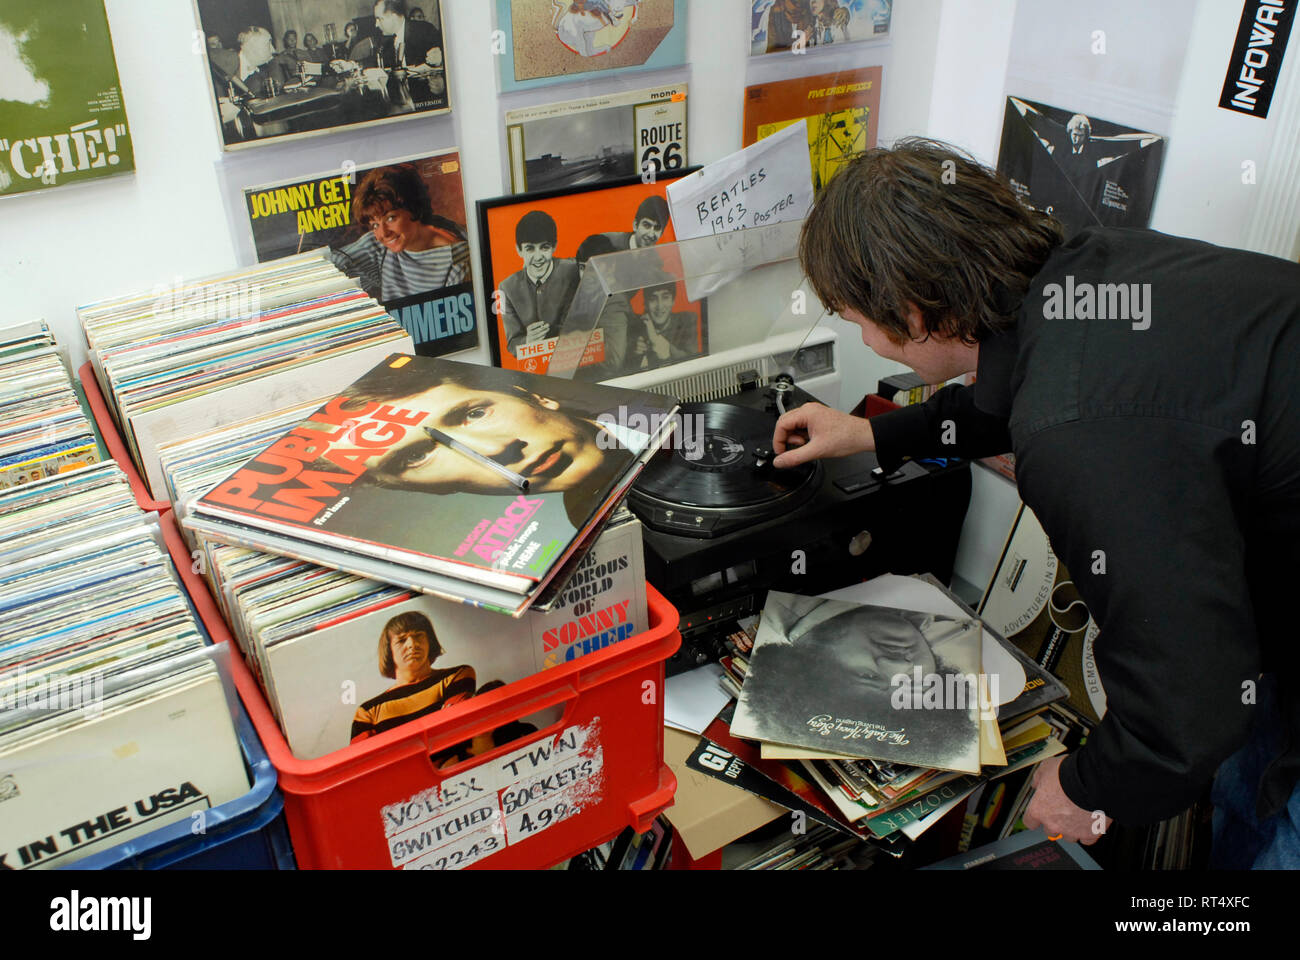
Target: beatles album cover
[(842, 110), (280, 69), (461, 469), (62, 120), (801, 25), (1083, 170), (597, 139), (398, 228), (550, 41), (1032, 601), (535, 249), (864, 681)]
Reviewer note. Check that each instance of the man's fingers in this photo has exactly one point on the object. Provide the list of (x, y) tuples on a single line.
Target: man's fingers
[(791, 424), (795, 457)]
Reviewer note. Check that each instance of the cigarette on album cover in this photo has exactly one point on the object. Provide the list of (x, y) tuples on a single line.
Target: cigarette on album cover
[(516, 479)]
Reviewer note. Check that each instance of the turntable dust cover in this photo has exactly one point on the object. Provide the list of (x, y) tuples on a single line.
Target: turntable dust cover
[(864, 681), (473, 472)]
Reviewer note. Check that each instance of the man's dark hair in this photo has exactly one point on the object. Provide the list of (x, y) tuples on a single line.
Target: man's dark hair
[(653, 208), (924, 223), (287, 34), (407, 622), (594, 246), (415, 10), (536, 226), (393, 6)]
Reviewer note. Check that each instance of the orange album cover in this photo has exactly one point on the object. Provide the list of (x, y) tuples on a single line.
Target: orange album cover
[(535, 248), (842, 110)]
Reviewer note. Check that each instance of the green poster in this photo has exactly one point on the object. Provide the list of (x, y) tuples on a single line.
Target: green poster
[(62, 120)]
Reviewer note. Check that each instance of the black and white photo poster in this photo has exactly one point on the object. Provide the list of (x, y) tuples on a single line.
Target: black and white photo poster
[(1083, 170), (854, 680), (281, 69)]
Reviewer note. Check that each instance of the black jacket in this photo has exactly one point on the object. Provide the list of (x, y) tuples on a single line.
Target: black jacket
[(1164, 464)]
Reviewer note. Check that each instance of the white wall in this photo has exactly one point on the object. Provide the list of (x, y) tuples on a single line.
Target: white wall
[(945, 75), (170, 219)]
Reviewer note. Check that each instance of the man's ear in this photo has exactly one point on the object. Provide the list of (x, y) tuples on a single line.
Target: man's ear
[(546, 402), (915, 323)]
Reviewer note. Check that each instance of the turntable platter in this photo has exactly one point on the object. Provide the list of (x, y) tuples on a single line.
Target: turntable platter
[(712, 476)]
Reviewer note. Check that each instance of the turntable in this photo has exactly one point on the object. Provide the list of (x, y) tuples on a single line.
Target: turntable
[(718, 477), (722, 526)]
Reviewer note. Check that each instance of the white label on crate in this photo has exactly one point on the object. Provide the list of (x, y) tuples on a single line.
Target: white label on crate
[(488, 808)]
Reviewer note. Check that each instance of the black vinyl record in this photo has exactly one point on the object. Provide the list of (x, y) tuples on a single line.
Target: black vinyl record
[(712, 463)]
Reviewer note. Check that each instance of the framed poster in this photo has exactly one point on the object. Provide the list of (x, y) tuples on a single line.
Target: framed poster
[(62, 120), (551, 41), (535, 247), (281, 69), (777, 26), (397, 227)]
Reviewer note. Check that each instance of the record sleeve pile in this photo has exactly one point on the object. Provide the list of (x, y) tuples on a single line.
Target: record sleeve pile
[(113, 721)]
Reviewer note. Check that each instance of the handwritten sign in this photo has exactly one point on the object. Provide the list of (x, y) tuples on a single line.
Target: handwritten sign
[(486, 809), (767, 183)]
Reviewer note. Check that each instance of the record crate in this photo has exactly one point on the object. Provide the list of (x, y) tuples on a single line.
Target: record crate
[(528, 804), (247, 833), (113, 440)]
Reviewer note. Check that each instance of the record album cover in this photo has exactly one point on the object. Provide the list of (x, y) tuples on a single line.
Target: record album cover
[(374, 670), (535, 250), (864, 681), (842, 110), (62, 119), (281, 69), (551, 41), (460, 469), (398, 228), (800, 25), (1032, 601), (1028, 850), (597, 139), (169, 755), (1083, 170)]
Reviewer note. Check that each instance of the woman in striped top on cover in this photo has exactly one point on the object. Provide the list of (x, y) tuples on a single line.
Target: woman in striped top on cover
[(407, 249)]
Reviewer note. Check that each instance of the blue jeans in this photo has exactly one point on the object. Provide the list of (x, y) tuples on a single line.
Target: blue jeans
[(1241, 842)]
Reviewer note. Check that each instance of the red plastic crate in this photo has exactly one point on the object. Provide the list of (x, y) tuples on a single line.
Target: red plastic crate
[(335, 804), (113, 440)]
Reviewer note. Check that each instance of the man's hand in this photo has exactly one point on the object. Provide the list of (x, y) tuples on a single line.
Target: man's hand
[(659, 344), (538, 331), (813, 432), (1052, 810)]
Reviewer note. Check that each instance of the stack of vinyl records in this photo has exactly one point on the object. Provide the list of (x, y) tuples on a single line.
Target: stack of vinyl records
[(44, 427), (309, 632), (113, 720), (878, 720), (204, 353), (477, 485)]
